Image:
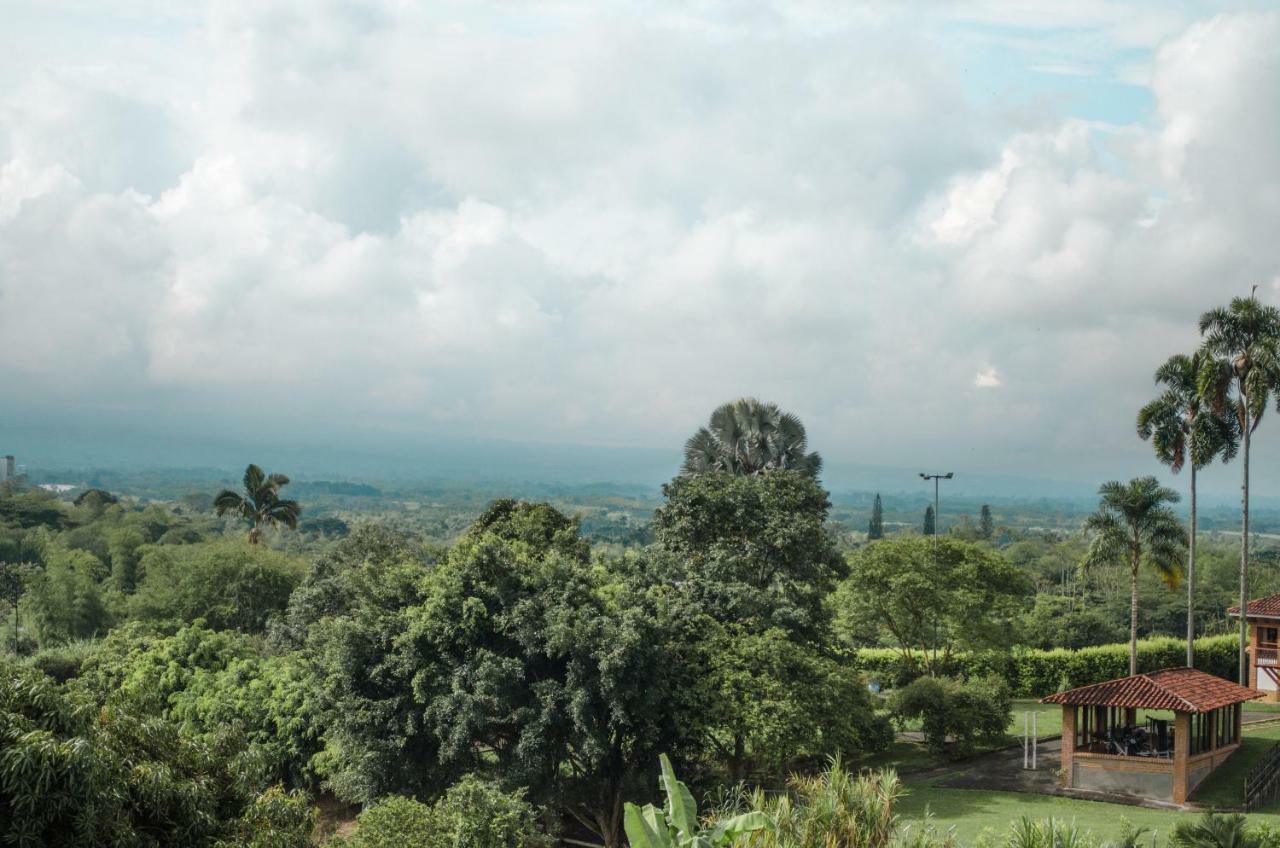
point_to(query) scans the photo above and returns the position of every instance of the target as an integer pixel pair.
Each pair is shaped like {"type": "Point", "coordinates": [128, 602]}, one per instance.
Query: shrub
{"type": "Point", "coordinates": [965, 713]}
{"type": "Point", "coordinates": [76, 775]}
{"type": "Point", "coordinates": [834, 808]}
{"type": "Point", "coordinates": [472, 814]}
{"type": "Point", "coordinates": [1035, 673]}
{"type": "Point", "coordinates": [230, 584]}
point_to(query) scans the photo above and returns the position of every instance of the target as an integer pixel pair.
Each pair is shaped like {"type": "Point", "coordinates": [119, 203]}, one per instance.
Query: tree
{"type": "Point", "coordinates": [986, 524]}
{"type": "Point", "coordinates": [1242, 369]}
{"type": "Point", "coordinates": [226, 582]}
{"type": "Point", "coordinates": [260, 504]}
{"type": "Point", "coordinates": [957, 713]}
{"type": "Point", "coordinates": [1179, 424]}
{"type": "Point", "coordinates": [1135, 526]}
{"type": "Point", "coordinates": [64, 597]}
{"type": "Point", "coordinates": [123, 544]}
{"type": "Point", "coordinates": [517, 657]}
{"type": "Point", "coordinates": [753, 550]}
{"type": "Point", "coordinates": [76, 775]}
{"type": "Point", "coordinates": [875, 529]}
{"type": "Point", "coordinates": [969, 598]}
{"type": "Point", "coordinates": [472, 814]}
{"type": "Point", "coordinates": [930, 525]}
{"type": "Point", "coordinates": [749, 437]}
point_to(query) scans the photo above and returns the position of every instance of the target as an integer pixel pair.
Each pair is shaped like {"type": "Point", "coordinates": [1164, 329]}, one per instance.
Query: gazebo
{"type": "Point", "coordinates": [1154, 735]}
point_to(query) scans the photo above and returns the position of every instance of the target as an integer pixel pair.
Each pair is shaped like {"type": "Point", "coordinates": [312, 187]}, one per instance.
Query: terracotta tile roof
{"type": "Point", "coordinates": [1268, 607]}
{"type": "Point", "coordinates": [1185, 690]}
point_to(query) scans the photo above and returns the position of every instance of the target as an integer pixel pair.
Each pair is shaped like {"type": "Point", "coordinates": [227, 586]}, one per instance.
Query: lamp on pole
{"type": "Point", "coordinates": [935, 478]}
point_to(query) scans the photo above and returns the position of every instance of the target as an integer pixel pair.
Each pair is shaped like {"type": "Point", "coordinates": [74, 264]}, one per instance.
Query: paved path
{"type": "Point", "coordinates": [1002, 771]}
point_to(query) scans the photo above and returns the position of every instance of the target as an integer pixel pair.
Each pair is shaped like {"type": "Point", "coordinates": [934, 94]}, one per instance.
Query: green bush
{"type": "Point", "coordinates": [229, 583]}
{"type": "Point", "coordinates": [472, 814]}
{"type": "Point", "coordinates": [74, 774]}
{"type": "Point", "coordinates": [966, 713]}
{"type": "Point", "coordinates": [1035, 673]}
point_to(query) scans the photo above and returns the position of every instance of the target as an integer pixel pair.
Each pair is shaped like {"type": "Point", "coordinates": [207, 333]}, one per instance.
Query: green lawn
{"type": "Point", "coordinates": [907, 757]}
{"type": "Point", "coordinates": [1048, 718]}
{"type": "Point", "coordinates": [1225, 787]}
{"type": "Point", "coordinates": [970, 812]}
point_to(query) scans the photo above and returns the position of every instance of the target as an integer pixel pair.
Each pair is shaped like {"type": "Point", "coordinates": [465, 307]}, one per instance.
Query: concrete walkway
{"type": "Point", "coordinates": [1002, 771]}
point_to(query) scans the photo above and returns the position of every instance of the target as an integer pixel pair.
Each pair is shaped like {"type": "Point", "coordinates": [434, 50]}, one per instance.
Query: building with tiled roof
{"type": "Point", "coordinates": [1153, 735]}
{"type": "Point", "coordinates": [1186, 690]}
{"type": "Point", "coordinates": [1263, 649]}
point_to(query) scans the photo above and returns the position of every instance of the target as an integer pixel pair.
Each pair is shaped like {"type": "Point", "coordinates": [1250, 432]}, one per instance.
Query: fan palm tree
{"type": "Point", "coordinates": [1241, 371]}
{"type": "Point", "coordinates": [260, 504]}
{"type": "Point", "coordinates": [1180, 425]}
{"type": "Point", "coordinates": [1134, 525]}
{"type": "Point", "coordinates": [748, 437]}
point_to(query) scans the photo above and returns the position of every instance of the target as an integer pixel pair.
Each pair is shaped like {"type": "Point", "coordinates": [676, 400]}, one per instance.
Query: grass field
{"type": "Point", "coordinates": [970, 812]}
{"type": "Point", "coordinates": [1225, 787]}
{"type": "Point", "coordinates": [907, 757]}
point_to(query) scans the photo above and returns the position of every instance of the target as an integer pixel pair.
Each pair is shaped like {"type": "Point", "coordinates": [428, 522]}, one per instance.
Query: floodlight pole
{"type": "Point", "coordinates": [935, 478]}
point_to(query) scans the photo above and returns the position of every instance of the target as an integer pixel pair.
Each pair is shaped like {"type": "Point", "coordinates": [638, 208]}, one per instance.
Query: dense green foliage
{"type": "Point", "coordinates": [961, 597]}
{"type": "Point", "coordinates": [472, 814]}
{"type": "Point", "coordinates": [955, 715]}
{"type": "Point", "coordinates": [1034, 673]}
{"type": "Point", "coordinates": [74, 773]}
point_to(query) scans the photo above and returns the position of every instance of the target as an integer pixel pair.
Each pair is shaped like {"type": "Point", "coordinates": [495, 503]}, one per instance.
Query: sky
{"type": "Point", "coordinates": [959, 235]}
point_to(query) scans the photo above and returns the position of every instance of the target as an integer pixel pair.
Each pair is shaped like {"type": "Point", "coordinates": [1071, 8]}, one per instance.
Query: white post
{"type": "Point", "coordinates": [1025, 727]}
{"type": "Point", "coordinates": [1035, 741]}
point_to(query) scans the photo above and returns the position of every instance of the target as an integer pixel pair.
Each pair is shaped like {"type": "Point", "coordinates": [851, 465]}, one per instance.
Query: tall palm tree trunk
{"type": "Point", "coordinates": [1191, 576]}
{"type": "Point", "coordinates": [1244, 554]}
{"type": "Point", "coordinates": [1133, 616]}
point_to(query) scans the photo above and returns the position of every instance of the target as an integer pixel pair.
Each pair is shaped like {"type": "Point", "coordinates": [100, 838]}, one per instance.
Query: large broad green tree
{"type": "Point", "coordinates": [260, 503]}
{"type": "Point", "coordinates": [968, 597]}
{"type": "Point", "coordinates": [1135, 526]}
{"type": "Point", "coordinates": [1180, 425]}
{"type": "Point", "coordinates": [748, 436]}
{"type": "Point", "coordinates": [1242, 370]}
{"type": "Point", "coordinates": [515, 656]}
{"type": "Point", "coordinates": [753, 550]}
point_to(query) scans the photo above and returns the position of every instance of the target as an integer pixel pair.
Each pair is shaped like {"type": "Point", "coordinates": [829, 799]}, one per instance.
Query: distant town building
{"type": "Point", "coordinates": [8, 468]}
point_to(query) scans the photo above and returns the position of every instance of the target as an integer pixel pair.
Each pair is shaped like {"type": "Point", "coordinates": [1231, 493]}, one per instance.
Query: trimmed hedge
{"type": "Point", "coordinates": [1036, 673]}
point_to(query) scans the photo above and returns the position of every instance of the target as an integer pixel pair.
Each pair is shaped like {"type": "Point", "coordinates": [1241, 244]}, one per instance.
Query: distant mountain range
{"type": "Point", "coordinates": [52, 451]}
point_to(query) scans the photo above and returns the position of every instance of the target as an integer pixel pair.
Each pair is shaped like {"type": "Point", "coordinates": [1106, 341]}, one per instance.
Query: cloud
{"type": "Point", "coordinates": [594, 224]}
{"type": "Point", "coordinates": [987, 378]}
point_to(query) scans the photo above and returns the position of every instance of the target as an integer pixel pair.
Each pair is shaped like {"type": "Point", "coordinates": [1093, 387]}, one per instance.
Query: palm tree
{"type": "Point", "coordinates": [1134, 524]}
{"type": "Point", "coordinates": [260, 504]}
{"type": "Point", "coordinates": [1179, 424]}
{"type": "Point", "coordinates": [748, 437]}
{"type": "Point", "coordinates": [1241, 370]}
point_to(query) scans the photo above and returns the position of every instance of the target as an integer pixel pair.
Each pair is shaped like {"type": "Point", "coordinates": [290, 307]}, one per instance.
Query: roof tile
{"type": "Point", "coordinates": [1268, 607]}
{"type": "Point", "coordinates": [1186, 690]}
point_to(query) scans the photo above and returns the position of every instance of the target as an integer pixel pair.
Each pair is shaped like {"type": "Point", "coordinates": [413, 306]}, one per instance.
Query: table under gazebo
{"type": "Point", "coordinates": [1154, 735]}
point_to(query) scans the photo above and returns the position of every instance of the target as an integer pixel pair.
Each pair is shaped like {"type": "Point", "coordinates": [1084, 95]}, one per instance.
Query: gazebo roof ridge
{"type": "Point", "coordinates": [1187, 690]}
